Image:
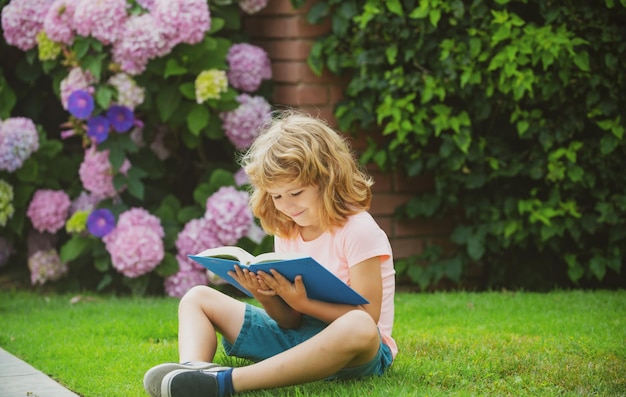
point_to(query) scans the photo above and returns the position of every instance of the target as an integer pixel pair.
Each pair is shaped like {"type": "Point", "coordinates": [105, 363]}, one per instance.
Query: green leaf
{"type": "Point", "coordinates": [102, 263]}
{"type": "Point", "coordinates": [103, 96]}
{"type": "Point", "coordinates": [29, 171]}
{"type": "Point", "coordinates": [395, 7]}
{"type": "Point", "coordinates": [582, 61]}
{"type": "Point", "coordinates": [434, 16]}
{"type": "Point", "coordinates": [190, 212]}
{"type": "Point", "coordinates": [188, 90]}
{"type": "Point", "coordinates": [74, 247]}
{"type": "Point", "coordinates": [136, 188]}
{"type": "Point", "coordinates": [475, 246]}
{"type": "Point", "coordinates": [168, 101]}
{"type": "Point", "coordinates": [197, 119]}
{"type": "Point", "coordinates": [597, 267]}
{"type": "Point", "coordinates": [216, 25]}
{"type": "Point", "coordinates": [173, 68]}
{"type": "Point", "coordinates": [168, 266]}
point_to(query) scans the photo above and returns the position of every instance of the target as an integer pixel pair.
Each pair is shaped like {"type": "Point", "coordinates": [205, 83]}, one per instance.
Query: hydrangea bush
{"type": "Point", "coordinates": [119, 138]}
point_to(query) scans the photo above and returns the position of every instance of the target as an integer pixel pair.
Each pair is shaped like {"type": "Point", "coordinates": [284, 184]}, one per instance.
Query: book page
{"type": "Point", "coordinates": [277, 256]}
{"type": "Point", "coordinates": [229, 252]}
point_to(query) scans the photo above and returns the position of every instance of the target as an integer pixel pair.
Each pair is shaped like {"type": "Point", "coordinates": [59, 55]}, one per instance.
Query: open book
{"type": "Point", "coordinates": [319, 282]}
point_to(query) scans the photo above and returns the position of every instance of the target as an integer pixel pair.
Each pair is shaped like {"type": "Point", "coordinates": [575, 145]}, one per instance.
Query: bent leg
{"type": "Point", "coordinates": [202, 312]}
{"type": "Point", "coordinates": [351, 340]}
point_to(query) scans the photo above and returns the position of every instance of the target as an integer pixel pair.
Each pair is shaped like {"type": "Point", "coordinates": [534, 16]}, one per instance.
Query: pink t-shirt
{"type": "Point", "coordinates": [359, 239]}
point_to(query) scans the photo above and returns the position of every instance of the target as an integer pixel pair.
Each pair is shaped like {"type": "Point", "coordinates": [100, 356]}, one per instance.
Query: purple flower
{"type": "Point", "coordinates": [248, 65]}
{"type": "Point", "coordinates": [22, 20]}
{"type": "Point", "coordinates": [242, 125]}
{"type": "Point", "coordinates": [80, 104]}
{"type": "Point", "coordinates": [136, 243]}
{"type": "Point", "coordinates": [101, 222]}
{"type": "Point", "coordinates": [120, 117]}
{"type": "Point", "coordinates": [48, 210]}
{"type": "Point", "coordinates": [46, 266]}
{"type": "Point", "coordinates": [228, 214]}
{"type": "Point", "coordinates": [98, 128]}
{"type": "Point", "coordinates": [178, 284]}
{"type": "Point", "coordinates": [18, 140]}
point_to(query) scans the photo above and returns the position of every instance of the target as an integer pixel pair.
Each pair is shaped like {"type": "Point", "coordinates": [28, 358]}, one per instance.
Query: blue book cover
{"type": "Point", "coordinates": [319, 282]}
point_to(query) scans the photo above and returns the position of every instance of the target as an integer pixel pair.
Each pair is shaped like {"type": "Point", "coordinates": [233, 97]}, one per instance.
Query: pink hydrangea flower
{"type": "Point", "coordinates": [178, 284]}
{"type": "Point", "coordinates": [96, 173]}
{"type": "Point", "coordinates": [103, 20]}
{"type": "Point", "coordinates": [195, 237]}
{"type": "Point", "coordinates": [59, 21]}
{"type": "Point", "coordinates": [182, 21]}
{"type": "Point", "coordinates": [46, 266]}
{"type": "Point", "coordinates": [249, 65]}
{"type": "Point", "coordinates": [229, 214]}
{"type": "Point", "coordinates": [140, 41]}
{"type": "Point", "coordinates": [136, 244]}
{"type": "Point", "coordinates": [74, 81]}
{"type": "Point", "coordinates": [129, 94]}
{"type": "Point", "coordinates": [48, 210]}
{"type": "Point", "coordinates": [18, 140]}
{"type": "Point", "coordinates": [252, 6]}
{"type": "Point", "coordinates": [242, 125]}
{"type": "Point", "coordinates": [134, 251]}
{"type": "Point", "coordinates": [22, 20]}
{"type": "Point", "coordinates": [241, 178]}
{"type": "Point", "coordinates": [140, 217]}
{"type": "Point", "coordinates": [146, 4]}
{"type": "Point", "coordinates": [84, 202]}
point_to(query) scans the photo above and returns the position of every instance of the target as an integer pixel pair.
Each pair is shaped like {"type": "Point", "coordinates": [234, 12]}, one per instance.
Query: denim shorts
{"type": "Point", "coordinates": [261, 337]}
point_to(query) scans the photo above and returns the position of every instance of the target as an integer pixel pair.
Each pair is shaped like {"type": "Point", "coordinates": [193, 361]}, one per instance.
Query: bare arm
{"type": "Point", "coordinates": [365, 278]}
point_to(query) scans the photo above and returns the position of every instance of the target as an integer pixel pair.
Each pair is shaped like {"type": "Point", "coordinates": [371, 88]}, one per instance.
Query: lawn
{"type": "Point", "coordinates": [453, 344]}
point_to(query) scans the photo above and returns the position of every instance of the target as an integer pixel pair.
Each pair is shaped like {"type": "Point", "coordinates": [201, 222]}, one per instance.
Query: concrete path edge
{"type": "Point", "coordinates": [19, 379]}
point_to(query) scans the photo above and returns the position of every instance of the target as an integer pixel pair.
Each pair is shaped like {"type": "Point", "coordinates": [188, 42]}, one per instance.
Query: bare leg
{"type": "Point", "coordinates": [351, 340]}
{"type": "Point", "coordinates": [202, 312]}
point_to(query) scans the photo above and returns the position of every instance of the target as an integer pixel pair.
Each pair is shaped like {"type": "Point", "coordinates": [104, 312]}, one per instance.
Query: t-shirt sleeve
{"type": "Point", "coordinates": [364, 239]}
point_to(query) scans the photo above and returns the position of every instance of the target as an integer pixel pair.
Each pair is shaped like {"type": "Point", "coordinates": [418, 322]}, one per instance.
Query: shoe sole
{"type": "Point", "coordinates": [153, 378]}
{"type": "Point", "coordinates": [167, 379]}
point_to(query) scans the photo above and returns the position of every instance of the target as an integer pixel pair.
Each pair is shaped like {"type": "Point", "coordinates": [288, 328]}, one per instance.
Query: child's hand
{"type": "Point", "coordinates": [294, 294]}
{"type": "Point", "coordinates": [251, 282]}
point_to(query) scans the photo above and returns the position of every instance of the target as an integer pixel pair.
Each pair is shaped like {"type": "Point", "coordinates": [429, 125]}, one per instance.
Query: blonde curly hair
{"type": "Point", "coordinates": [299, 148]}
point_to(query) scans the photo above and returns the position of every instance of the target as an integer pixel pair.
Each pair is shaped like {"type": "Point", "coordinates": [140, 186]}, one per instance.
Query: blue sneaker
{"type": "Point", "coordinates": [153, 378]}
{"type": "Point", "coordinates": [190, 383]}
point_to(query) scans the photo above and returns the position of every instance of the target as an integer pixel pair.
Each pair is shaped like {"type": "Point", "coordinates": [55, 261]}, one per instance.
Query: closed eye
{"type": "Point", "coordinates": [296, 194]}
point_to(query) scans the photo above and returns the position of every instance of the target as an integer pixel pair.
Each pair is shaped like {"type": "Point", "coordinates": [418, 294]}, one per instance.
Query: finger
{"type": "Point", "coordinates": [299, 283]}
{"type": "Point", "coordinates": [279, 277]}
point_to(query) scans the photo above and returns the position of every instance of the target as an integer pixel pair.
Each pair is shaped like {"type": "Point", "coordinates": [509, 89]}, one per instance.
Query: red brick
{"type": "Point", "coordinates": [278, 7]}
{"type": "Point", "coordinates": [382, 182]}
{"type": "Point", "coordinates": [301, 94]}
{"type": "Point", "coordinates": [416, 184]}
{"type": "Point", "coordinates": [299, 72]}
{"type": "Point", "coordinates": [423, 227]}
{"type": "Point", "coordinates": [385, 223]}
{"type": "Point", "coordinates": [386, 204]}
{"type": "Point", "coordinates": [405, 247]}
{"type": "Point", "coordinates": [289, 50]}
{"type": "Point", "coordinates": [337, 92]}
{"type": "Point", "coordinates": [284, 27]}
{"type": "Point", "coordinates": [325, 113]}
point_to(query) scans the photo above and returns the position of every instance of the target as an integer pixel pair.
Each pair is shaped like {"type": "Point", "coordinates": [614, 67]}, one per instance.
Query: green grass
{"type": "Point", "coordinates": [459, 344]}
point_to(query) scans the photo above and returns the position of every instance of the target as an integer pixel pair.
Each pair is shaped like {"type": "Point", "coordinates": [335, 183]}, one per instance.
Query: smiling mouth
{"type": "Point", "coordinates": [297, 214]}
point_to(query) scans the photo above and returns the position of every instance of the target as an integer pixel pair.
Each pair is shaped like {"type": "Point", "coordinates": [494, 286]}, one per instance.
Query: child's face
{"type": "Point", "coordinates": [300, 203]}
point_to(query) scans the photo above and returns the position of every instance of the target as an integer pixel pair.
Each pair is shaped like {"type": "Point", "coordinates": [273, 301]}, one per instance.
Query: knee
{"type": "Point", "coordinates": [360, 327]}
{"type": "Point", "coordinates": [198, 295]}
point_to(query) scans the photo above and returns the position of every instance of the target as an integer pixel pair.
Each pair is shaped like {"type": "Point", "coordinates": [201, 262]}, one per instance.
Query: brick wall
{"type": "Point", "coordinates": [287, 37]}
